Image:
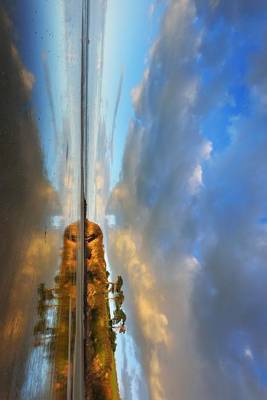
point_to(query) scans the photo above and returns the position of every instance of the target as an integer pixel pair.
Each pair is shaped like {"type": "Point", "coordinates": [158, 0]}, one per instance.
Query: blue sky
{"type": "Point", "coordinates": [186, 190]}
{"type": "Point", "coordinates": [122, 61]}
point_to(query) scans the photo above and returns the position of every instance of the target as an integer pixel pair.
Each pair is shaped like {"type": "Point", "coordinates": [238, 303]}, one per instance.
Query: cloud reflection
{"type": "Point", "coordinates": [27, 203]}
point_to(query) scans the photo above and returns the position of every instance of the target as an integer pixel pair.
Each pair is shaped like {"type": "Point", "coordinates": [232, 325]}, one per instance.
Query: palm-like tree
{"type": "Point", "coordinates": [118, 316]}
{"type": "Point", "coordinates": [117, 285]}
{"type": "Point", "coordinates": [45, 294]}
{"type": "Point", "coordinates": [119, 299]}
{"type": "Point", "coordinates": [120, 328]}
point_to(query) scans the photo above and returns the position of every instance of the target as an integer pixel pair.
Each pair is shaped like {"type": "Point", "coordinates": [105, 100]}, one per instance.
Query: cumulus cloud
{"type": "Point", "coordinates": [149, 245]}
{"type": "Point", "coordinates": [189, 237]}
{"type": "Point", "coordinates": [229, 295]}
{"type": "Point", "coordinates": [228, 300]}
{"type": "Point", "coordinates": [101, 171]}
{"type": "Point", "coordinates": [130, 373]}
{"type": "Point", "coordinates": [126, 251]}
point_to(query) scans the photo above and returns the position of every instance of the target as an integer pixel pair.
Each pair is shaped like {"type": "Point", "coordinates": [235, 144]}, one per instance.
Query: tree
{"type": "Point", "coordinates": [119, 283]}
{"type": "Point", "coordinates": [112, 288]}
{"type": "Point", "coordinates": [116, 286]}
{"type": "Point", "coordinates": [43, 333]}
{"type": "Point", "coordinates": [45, 294]}
{"type": "Point", "coordinates": [49, 294]}
{"type": "Point", "coordinates": [118, 316]}
{"type": "Point", "coordinates": [119, 299]}
{"type": "Point", "coordinates": [120, 328]}
{"type": "Point", "coordinates": [40, 290]}
{"type": "Point", "coordinates": [41, 309]}
{"type": "Point", "coordinates": [39, 327]}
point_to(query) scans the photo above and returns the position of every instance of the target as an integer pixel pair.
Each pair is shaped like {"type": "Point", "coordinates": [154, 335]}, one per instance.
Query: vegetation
{"type": "Point", "coordinates": [56, 312]}
{"type": "Point", "coordinates": [101, 329]}
{"type": "Point", "coordinates": [116, 286]}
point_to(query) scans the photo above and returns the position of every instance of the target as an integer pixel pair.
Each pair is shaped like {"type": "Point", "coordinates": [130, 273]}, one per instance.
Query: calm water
{"type": "Point", "coordinates": [40, 158]}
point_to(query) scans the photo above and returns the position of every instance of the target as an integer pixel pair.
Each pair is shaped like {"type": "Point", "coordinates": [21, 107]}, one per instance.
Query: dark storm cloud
{"type": "Point", "coordinates": [27, 202]}
{"type": "Point", "coordinates": [200, 325]}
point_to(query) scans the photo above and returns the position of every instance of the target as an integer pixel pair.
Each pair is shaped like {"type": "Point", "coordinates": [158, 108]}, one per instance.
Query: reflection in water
{"type": "Point", "coordinates": [34, 209]}
{"type": "Point", "coordinates": [27, 201]}
{"type": "Point", "coordinates": [55, 327]}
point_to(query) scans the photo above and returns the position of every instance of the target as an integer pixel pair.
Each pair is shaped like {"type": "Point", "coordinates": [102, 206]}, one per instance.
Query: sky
{"type": "Point", "coordinates": [180, 167]}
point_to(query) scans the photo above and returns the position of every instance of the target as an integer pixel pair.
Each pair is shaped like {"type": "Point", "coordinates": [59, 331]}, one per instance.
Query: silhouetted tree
{"type": "Point", "coordinates": [119, 299]}
{"type": "Point", "coordinates": [117, 285]}
{"type": "Point", "coordinates": [118, 316]}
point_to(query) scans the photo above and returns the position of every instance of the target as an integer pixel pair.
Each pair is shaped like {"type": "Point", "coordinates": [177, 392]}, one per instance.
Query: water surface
{"type": "Point", "coordinates": [40, 158]}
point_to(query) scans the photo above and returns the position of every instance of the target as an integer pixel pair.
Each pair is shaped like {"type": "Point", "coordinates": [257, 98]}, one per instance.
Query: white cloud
{"type": "Point", "coordinates": [206, 150]}
{"type": "Point", "coordinates": [175, 199]}
{"type": "Point", "coordinates": [248, 353]}
{"type": "Point", "coordinates": [195, 180]}
{"type": "Point", "coordinates": [164, 147]}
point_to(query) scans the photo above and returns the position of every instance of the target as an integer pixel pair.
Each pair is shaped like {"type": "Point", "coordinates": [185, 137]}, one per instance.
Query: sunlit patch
{"type": "Point", "coordinates": [157, 390]}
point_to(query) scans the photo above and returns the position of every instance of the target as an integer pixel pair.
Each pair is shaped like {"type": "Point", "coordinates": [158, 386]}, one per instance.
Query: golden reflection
{"type": "Point", "coordinates": [56, 314]}
{"type": "Point", "coordinates": [37, 254]}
